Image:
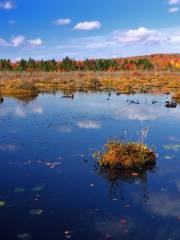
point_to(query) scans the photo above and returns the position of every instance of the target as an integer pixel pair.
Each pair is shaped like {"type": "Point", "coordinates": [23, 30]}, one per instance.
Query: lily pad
{"type": "Point", "coordinates": [19, 190]}
{"type": "Point", "coordinates": [174, 147]}
{"type": "Point", "coordinates": [167, 157]}
{"type": "Point", "coordinates": [2, 203]}
{"type": "Point", "coordinates": [36, 211]}
{"type": "Point", "coordinates": [24, 236]}
{"type": "Point", "coordinates": [38, 188]}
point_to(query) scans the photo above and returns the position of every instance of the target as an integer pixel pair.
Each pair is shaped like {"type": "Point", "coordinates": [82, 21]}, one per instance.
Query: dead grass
{"type": "Point", "coordinates": [176, 96]}
{"type": "Point", "coordinates": [125, 155]}
{"type": "Point", "coordinates": [123, 82]}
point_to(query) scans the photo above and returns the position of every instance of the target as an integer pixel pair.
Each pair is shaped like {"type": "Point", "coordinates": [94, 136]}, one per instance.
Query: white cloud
{"type": "Point", "coordinates": [174, 6]}
{"type": "Point", "coordinates": [122, 43]}
{"type": "Point", "coordinates": [64, 129]}
{"type": "Point", "coordinates": [144, 112]}
{"type": "Point", "coordinates": [175, 39]}
{"type": "Point", "coordinates": [164, 205]}
{"type": "Point", "coordinates": [87, 26]}
{"type": "Point", "coordinates": [18, 41]}
{"type": "Point", "coordinates": [173, 2]}
{"type": "Point", "coordinates": [35, 42]}
{"type": "Point", "coordinates": [11, 22]}
{"type": "Point", "coordinates": [89, 124]}
{"type": "Point", "coordinates": [174, 10]}
{"type": "Point", "coordinates": [61, 22]}
{"type": "Point", "coordinates": [140, 35]}
{"type": "Point", "coordinates": [8, 5]}
{"type": "Point", "coordinates": [139, 112]}
{"type": "Point", "coordinates": [38, 110]}
{"type": "Point", "coordinates": [3, 42]}
{"type": "Point", "coordinates": [8, 147]}
{"type": "Point", "coordinates": [20, 112]}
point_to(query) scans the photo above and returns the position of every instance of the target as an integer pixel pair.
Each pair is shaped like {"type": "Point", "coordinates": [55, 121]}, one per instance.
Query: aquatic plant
{"type": "Point", "coordinates": [130, 155]}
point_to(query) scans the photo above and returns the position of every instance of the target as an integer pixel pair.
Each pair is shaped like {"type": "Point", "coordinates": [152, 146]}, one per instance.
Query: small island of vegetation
{"type": "Point", "coordinates": [130, 155]}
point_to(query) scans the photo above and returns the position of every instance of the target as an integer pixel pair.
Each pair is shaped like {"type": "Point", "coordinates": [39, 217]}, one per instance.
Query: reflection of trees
{"type": "Point", "coordinates": [1, 99]}
{"type": "Point", "coordinates": [118, 177]}
{"type": "Point", "coordinates": [26, 98]}
{"type": "Point", "coordinates": [171, 104]}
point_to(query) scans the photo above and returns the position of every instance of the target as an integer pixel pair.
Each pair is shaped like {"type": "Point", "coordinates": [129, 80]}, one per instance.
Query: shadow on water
{"type": "Point", "coordinates": [1, 99]}
{"type": "Point", "coordinates": [117, 178]}
{"type": "Point", "coordinates": [171, 104]}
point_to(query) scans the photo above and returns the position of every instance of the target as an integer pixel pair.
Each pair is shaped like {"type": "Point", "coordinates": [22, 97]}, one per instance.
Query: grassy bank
{"type": "Point", "coordinates": [27, 83]}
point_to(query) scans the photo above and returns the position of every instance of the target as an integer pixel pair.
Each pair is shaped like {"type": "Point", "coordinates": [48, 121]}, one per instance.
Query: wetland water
{"type": "Point", "coordinates": [50, 187]}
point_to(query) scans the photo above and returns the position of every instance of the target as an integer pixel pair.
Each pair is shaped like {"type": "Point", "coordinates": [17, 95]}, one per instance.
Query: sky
{"type": "Point", "coordinates": [80, 29]}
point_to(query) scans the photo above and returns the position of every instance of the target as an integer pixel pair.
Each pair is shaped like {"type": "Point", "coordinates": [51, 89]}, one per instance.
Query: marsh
{"type": "Point", "coordinates": [50, 187]}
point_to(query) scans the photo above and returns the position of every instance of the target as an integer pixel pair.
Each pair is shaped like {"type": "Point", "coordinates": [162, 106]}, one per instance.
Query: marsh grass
{"type": "Point", "coordinates": [130, 155]}
{"type": "Point", "coordinates": [176, 96]}
{"type": "Point", "coordinates": [123, 82]}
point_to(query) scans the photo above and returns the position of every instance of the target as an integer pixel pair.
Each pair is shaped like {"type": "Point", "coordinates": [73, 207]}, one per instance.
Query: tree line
{"type": "Point", "coordinates": [68, 65]}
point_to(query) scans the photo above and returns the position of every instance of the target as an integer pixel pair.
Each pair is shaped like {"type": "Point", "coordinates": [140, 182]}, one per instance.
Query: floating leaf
{"type": "Point", "coordinates": [168, 157]}
{"type": "Point", "coordinates": [123, 221]}
{"type": "Point", "coordinates": [24, 236]}
{"type": "Point", "coordinates": [38, 188]}
{"type": "Point", "coordinates": [108, 236]}
{"type": "Point", "coordinates": [135, 174]}
{"type": "Point", "coordinates": [127, 206]}
{"type": "Point", "coordinates": [174, 147]}
{"type": "Point", "coordinates": [2, 203]}
{"type": "Point", "coordinates": [36, 211]}
{"type": "Point", "coordinates": [19, 190]}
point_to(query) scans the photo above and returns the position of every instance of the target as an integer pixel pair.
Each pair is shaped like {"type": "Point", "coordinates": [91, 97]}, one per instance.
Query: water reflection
{"type": "Point", "coordinates": [89, 124]}
{"type": "Point", "coordinates": [47, 144]}
{"type": "Point", "coordinates": [164, 204]}
{"type": "Point", "coordinates": [26, 98]}
{"type": "Point", "coordinates": [171, 104]}
{"type": "Point", "coordinates": [117, 178]}
{"type": "Point", "coordinates": [21, 110]}
{"type": "Point", "coordinates": [1, 99]}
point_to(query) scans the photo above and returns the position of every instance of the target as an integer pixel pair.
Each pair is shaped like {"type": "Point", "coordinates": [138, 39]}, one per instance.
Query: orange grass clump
{"type": "Point", "coordinates": [176, 96]}
{"type": "Point", "coordinates": [125, 155]}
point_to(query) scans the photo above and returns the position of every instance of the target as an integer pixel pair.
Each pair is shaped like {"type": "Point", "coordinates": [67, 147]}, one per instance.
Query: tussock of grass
{"type": "Point", "coordinates": [125, 155]}
{"type": "Point", "coordinates": [176, 96]}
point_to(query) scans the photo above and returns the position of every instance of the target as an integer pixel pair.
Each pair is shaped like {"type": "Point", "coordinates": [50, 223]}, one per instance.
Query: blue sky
{"type": "Point", "coordinates": [88, 28]}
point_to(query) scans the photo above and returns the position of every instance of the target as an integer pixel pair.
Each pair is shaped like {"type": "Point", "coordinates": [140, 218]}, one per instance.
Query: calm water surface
{"type": "Point", "coordinates": [50, 186]}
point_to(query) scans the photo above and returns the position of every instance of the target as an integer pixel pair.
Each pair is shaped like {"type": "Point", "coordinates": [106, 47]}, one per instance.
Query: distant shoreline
{"type": "Point", "coordinates": [156, 62]}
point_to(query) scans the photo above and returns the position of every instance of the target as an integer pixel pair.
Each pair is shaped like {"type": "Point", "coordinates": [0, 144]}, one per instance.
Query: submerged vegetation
{"type": "Point", "coordinates": [125, 155]}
